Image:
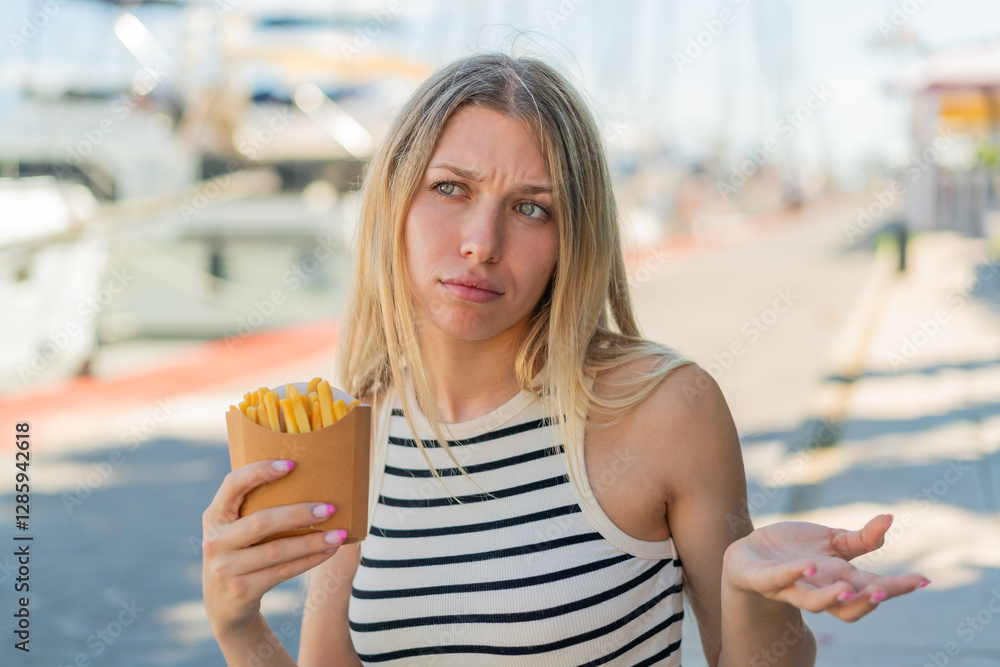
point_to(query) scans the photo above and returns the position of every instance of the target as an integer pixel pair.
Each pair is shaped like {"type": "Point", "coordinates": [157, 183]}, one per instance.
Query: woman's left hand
{"type": "Point", "coordinates": [806, 565]}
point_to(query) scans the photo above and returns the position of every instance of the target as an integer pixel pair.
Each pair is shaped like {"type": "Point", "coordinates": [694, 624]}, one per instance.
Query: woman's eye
{"type": "Point", "coordinates": [446, 188]}
{"type": "Point", "coordinates": [531, 210]}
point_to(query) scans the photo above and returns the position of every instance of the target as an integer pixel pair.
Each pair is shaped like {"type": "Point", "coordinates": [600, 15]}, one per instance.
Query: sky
{"type": "Point", "coordinates": [701, 77]}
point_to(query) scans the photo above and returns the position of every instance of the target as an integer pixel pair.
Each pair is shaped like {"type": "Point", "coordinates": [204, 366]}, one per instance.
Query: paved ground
{"type": "Point", "coordinates": [921, 439]}
{"type": "Point", "coordinates": [919, 436]}
{"type": "Point", "coordinates": [115, 560]}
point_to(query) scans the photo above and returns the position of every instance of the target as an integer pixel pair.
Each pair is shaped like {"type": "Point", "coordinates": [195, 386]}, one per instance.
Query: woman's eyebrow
{"type": "Point", "coordinates": [476, 177]}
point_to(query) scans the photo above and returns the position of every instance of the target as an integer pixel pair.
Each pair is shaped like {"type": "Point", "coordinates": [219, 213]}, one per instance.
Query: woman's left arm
{"type": "Point", "coordinates": [745, 586]}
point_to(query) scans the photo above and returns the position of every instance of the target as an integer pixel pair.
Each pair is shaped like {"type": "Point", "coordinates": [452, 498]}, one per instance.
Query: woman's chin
{"type": "Point", "coordinates": [467, 331]}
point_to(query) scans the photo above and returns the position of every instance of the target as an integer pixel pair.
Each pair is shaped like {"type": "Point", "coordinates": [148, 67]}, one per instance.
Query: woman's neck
{"type": "Point", "coordinates": [470, 378]}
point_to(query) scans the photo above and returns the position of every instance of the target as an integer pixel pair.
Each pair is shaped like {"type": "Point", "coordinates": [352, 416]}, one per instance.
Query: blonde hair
{"type": "Point", "coordinates": [582, 325]}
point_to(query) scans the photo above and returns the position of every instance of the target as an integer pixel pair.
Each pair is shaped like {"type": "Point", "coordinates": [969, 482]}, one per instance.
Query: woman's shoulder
{"type": "Point", "coordinates": [686, 404]}
{"type": "Point", "coordinates": [686, 428]}
{"type": "Point", "coordinates": [680, 379]}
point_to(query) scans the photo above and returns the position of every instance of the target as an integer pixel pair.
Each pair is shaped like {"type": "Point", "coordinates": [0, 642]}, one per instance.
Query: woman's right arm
{"type": "Point", "coordinates": [326, 637]}
{"type": "Point", "coordinates": [250, 646]}
{"type": "Point", "coordinates": [237, 571]}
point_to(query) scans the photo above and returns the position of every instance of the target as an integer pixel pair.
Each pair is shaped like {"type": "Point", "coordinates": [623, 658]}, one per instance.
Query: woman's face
{"type": "Point", "coordinates": [480, 236]}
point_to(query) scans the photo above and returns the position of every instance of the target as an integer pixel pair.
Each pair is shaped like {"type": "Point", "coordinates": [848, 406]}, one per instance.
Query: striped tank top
{"type": "Point", "coordinates": [533, 574]}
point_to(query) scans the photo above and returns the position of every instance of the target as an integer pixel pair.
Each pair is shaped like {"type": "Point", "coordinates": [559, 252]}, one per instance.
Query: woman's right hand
{"type": "Point", "coordinates": [236, 574]}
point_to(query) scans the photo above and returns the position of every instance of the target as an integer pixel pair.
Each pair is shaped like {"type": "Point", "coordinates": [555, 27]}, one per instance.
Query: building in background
{"type": "Point", "coordinates": [954, 172]}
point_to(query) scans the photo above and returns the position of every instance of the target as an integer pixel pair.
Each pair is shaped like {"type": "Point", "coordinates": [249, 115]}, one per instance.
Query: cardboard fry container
{"type": "Point", "coordinates": [331, 465]}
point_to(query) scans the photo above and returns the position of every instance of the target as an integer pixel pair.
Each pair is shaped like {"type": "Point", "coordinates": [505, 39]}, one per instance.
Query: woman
{"type": "Point", "coordinates": [489, 297]}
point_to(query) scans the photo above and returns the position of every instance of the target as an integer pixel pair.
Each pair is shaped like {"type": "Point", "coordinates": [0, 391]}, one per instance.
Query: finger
{"type": "Point", "coordinates": [253, 528]}
{"type": "Point", "coordinates": [817, 599]}
{"type": "Point", "coordinates": [225, 506]}
{"type": "Point", "coordinates": [285, 549]}
{"type": "Point", "coordinates": [891, 586]}
{"type": "Point", "coordinates": [776, 577]}
{"type": "Point", "coordinates": [268, 578]}
{"type": "Point", "coordinates": [856, 607]}
{"type": "Point", "coordinates": [875, 592]}
{"type": "Point", "coordinates": [850, 544]}
{"type": "Point", "coordinates": [863, 603]}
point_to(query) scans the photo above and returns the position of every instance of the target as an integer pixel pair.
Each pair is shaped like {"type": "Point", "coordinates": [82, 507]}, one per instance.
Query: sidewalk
{"type": "Point", "coordinates": [919, 437]}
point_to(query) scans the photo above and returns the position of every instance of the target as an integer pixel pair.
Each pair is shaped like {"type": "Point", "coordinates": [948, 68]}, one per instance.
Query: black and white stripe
{"type": "Point", "coordinates": [515, 574]}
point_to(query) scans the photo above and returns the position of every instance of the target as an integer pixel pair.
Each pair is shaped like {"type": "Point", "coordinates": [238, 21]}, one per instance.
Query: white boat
{"type": "Point", "coordinates": [50, 290]}
{"type": "Point", "coordinates": [212, 201]}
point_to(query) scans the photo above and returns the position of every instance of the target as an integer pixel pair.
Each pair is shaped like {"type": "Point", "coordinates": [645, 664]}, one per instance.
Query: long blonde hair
{"type": "Point", "coordinates": [583, 323]}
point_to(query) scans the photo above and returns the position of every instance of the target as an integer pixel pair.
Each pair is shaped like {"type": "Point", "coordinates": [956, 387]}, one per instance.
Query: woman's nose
{"type": "Point", "coordinates": [482, 235]}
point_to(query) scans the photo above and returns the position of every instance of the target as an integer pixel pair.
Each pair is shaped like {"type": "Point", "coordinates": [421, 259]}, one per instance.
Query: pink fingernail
{"type": "Point", "coordinates": [335, 536]}
{"type": "Point", "coordinates": [845, 595]}
{"type": "Point", "coordinates": [810, 572]}
{"type": "Point", "coordinates": [323, 511]}
{"type": "Point", "coordinates": [923, 583]}
{"type": "Point", "coordinates": [878, 596]}
{"type": "Point", "coordinates": [283, 466]}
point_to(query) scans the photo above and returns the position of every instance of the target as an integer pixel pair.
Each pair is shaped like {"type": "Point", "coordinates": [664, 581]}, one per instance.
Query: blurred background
{"type": "Point", "coordinates": [810, 212]}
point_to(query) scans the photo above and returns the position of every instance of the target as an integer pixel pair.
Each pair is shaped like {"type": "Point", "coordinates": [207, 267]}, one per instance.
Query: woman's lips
{"type": "Point", "coordinates": [473, 294]}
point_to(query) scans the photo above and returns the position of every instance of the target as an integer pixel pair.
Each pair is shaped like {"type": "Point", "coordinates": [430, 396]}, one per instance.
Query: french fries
{"type": "Point", "coordinates": [273, 411]}
{"type": "Point", "coordinates": [296, 412]}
